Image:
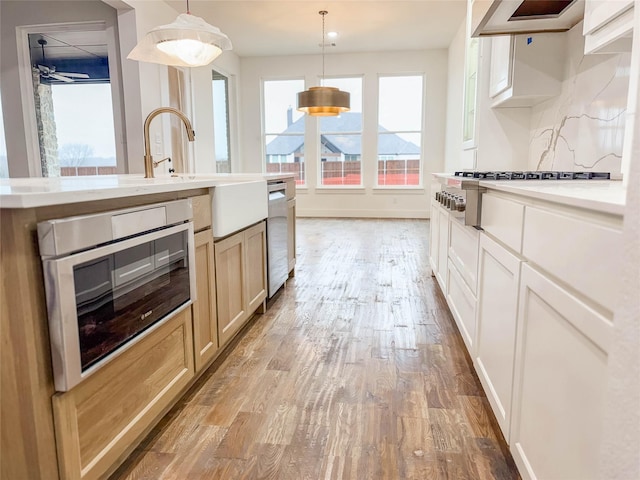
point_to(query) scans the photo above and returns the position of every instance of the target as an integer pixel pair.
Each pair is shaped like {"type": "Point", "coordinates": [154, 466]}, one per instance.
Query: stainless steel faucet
{"type": "Point", "coordinates": [148, 159]}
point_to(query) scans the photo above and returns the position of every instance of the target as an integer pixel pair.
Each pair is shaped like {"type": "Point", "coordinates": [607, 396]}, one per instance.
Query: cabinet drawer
{"type": "Point", "coordinates": [463, 307]}
{"type": "Point", "coordinates": [463, 252]}
{"type": "Point", "coordinates": [99, 421]}
{"type": "Point", "coordinates": [503, 220]}
{"type": "Point", "coordinates": [577, 251]}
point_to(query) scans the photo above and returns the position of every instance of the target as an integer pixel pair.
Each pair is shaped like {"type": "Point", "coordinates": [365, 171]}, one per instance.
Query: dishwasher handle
{"type": "Point", "coordinates": [277, 187]}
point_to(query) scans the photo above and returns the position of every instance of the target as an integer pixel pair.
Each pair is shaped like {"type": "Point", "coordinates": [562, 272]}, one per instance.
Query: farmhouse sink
{"type": "Point", "coordinates": [238, 204]}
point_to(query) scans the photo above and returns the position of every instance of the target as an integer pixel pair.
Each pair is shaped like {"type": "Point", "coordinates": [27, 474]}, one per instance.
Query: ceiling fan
{"type": "Point", "coordinates": [50, 72]}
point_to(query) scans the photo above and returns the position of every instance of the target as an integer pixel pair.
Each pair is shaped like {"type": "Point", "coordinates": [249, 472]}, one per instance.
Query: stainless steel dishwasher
{"type": "Point", "coordinates": [277, 262]}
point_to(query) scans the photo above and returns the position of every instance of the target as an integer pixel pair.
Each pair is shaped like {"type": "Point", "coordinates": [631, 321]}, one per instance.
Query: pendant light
{"type": "Point", "coordinates": [323, 101]}
{"type": "Point", "coordinates": [187, 42]}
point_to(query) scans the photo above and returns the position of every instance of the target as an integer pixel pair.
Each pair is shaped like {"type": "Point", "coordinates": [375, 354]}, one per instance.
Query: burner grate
{"type": "Point", "coordinates": [534, 175]}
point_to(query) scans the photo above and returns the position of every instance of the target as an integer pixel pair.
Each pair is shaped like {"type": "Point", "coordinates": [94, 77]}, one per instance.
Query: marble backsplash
{"type": "Point", "coordinates": [583, 128]}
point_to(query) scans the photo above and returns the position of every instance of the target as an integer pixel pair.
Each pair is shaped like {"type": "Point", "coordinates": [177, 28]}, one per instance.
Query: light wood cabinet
{"type": "Point", "coordinates": [255, 251]}
{"type": "Point", "coordinates": [205, 325]}
{"type": "Point", "coordinates": [559, 382]}
{"type": "Point", "coordinates": [496, 328]}
{"type": "Point", "coordinates": [525, 69]}
{"type": "Point", "coordinates": [100, 421]}
{"type": "Point", "coordinates": [608, 26]}
{"type": "Point", "coordinates": [241, 278]}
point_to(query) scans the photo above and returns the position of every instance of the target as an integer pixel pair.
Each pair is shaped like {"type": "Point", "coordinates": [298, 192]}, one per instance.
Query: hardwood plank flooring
{"type": "Point", "coordinates": [356, 371]}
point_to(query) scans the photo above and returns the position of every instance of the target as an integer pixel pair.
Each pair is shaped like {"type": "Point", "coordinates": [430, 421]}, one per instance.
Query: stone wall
{"type": "Point", "coordinates": [46, 123]}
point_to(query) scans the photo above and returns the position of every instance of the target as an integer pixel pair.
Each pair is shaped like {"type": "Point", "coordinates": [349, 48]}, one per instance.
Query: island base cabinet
{"type": "Point", "coordinates": [241, 278]}
{"type": "Point", "coordinates": [496, 337]}
{"type": "Point", "coordinates": [560, 380]}
{"type": "Point", "coordinates": [101, 420]}
{"type": "Point", "coordinates": [205, 325]}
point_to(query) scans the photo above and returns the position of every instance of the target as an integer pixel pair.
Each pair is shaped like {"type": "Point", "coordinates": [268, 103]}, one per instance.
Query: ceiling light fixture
{"type": "Point", "coordinates": [187, 42]}
{"type": "Point", "coordinates": [323, 101]}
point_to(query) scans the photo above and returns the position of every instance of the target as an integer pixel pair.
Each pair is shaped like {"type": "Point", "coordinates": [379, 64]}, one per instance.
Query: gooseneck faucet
{"type": "Point", "coordinates": [148, 159]}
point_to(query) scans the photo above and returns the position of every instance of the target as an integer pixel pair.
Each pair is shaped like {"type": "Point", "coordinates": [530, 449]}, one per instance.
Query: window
{"type": "Point", "coordinates": [86, 137]}
{"type": "Point", "coordinates": [74, 119]}
{"type": "Point", "coordinates": [283, 128]}
{"type": "Point", "coordinates": [399, 130]}
{"type": "Point", "coordinates": [341, 138]}
{"type": "Point", "coordinates": [221, 122]}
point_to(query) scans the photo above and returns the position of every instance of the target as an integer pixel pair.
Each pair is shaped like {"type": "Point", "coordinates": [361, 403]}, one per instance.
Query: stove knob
{"type": "Point", "coordinates": [461, 204]}
{"type": "Point", "coordinates": [438, 194]}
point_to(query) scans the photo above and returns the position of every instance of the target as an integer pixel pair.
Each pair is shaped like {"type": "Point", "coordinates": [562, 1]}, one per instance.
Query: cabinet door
{"type": "Point", "coordinates": [291, 235]}
{"type": "Point", "coordinates": [496, 337]}
{"type": "Point", "coordinates": [434, 238]}
{"type": "Point", "coordinates": [230, 281]}
{"type": "Point", "coordinates": [256, 265]}
{"type": "Point", "coordinates": [443, 248]}
{"type": "Point", "coordinates": [560, 379]}
{"type": "Point", "coordinates": [205, 329]}
{"type": "Point", "coordinates": [501, 66]}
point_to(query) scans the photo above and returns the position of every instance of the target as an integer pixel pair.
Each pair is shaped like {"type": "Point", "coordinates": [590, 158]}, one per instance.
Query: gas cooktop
{"type": "Point", "coordinates": [534, 175]}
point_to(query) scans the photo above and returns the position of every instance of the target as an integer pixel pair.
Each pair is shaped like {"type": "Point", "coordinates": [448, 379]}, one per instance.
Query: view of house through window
{"type": "Point", "coordinates": [399, 130]}
{"type": "Point", "coordinates": [221, 122]}
{"type": "Point", "coordinates": [341, 138]}
{"type": "Point", "coordinates": [283, 128]}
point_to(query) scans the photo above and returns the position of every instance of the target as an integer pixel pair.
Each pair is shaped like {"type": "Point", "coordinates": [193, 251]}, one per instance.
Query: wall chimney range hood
{"type": "Point", "coordinates": [504, 17]}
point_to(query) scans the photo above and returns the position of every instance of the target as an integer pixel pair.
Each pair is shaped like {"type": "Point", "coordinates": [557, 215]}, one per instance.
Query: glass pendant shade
{"type": "Point", "coordinates": [187, 42]}
{"type": "Point", "coordinates": [324, 101]}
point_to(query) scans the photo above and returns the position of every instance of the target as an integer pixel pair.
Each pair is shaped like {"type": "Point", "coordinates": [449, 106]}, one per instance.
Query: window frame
{"type": "Point", "coordinates": [302, 182]}
{"type": "Point", "coordinates": [421, 132]}
{"type": "Point", "coordinates": [361, 132]}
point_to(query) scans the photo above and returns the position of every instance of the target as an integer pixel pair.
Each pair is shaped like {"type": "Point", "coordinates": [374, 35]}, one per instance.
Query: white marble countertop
{"type": "Point", "coordinates": [39, 192]}
{"type": "Point", "coordinates": [607, 196]}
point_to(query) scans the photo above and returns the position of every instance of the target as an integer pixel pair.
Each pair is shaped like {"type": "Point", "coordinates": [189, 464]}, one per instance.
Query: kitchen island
{"type": "Point", "coordinates": [533, 291]}
{"type": "Point", "coordinates": [87, 431]}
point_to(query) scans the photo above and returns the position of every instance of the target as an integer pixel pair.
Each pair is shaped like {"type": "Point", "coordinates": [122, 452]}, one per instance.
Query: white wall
{"type": "Point", "coordinates": [367, 201]}
{"type": "Point", "coordinates": [502, 134]}
{"type": "Point", "coordinates": [455, 101]}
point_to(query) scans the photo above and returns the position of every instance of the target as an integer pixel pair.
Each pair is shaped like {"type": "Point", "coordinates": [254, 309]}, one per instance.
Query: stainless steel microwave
{"type": "Point", "coordinates": [111, 279]}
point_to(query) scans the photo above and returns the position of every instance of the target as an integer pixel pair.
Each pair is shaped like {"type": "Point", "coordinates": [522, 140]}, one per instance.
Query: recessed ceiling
{"type": "Point", "coordinates": [69, 45]}
{"type": "Point", "coordinates": [265, 28]}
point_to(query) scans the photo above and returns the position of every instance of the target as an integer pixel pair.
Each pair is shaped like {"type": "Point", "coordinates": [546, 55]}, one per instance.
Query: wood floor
{"type": "Point", "coordinates": [356, 371]}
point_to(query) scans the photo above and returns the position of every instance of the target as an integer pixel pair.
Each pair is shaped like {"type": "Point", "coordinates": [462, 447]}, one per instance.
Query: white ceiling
{"type": "Point", "coordinates": [294, 27]}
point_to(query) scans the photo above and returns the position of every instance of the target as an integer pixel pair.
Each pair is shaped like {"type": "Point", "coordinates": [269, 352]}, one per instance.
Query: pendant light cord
{"type": "Point", "coordinates": [188, 10]}
{"type": "Point", "coordinates": [323, 13]}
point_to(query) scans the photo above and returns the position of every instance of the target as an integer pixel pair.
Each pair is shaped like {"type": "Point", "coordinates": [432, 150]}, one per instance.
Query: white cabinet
{"type": "Point", "coordinates": [434, 236]}
{"type": "Point", "coordinates": [439, 243]}
{"type": "Point", "coordinates": [496, 333]}
{"type": "Point", "coordinates": [559, 382]}
{"type": "Point", "coordinates": [525, 69]}
{"type": "Point", "coordinates": [443, 248]}
{"type": "Point", "coordinates": [608, 26]}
